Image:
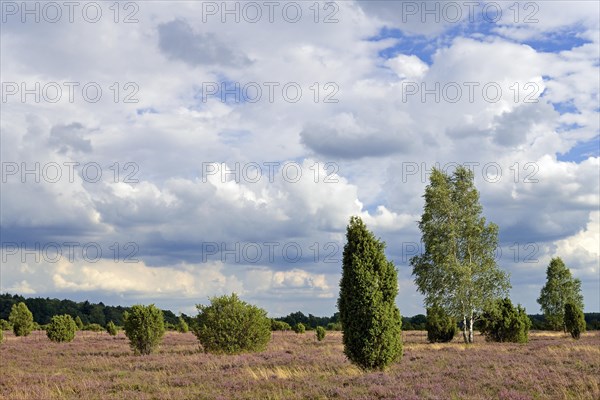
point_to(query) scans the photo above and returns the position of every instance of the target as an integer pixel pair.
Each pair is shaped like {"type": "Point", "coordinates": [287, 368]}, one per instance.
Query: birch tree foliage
{"type": "Point", "coordinates": [457, 270]}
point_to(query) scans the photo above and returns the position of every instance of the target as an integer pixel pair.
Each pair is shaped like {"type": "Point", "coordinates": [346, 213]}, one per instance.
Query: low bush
{"type": "Point", "coordinates": [21, 319]}
{"type": "Point", "coordinates": [231, 326]}
{"type": "Point", "coordinates": [441, 327]}
{"type": "Point", "coordinates": [334, 326]}
{"type": "Point", "coordinates": [182, 326]}
{"type": "Point", "coordinates": [111, 328]}
{"type": "Point", "coordinates": [61, 328]}
{"type": "Point", "coordinates": [144, 327]}
{"type": "Point", "coordinates": [280, 326]}
{"type": "Point", "coordinates": [320, 333]}
{"type": "Point", "coordinates": [79, 323]}
{"type": "Point", "coordinates": [502, 322]}
{"type": "Point", "coordinates": [299, 328]}
{"type": "Point", "coordinates": [5, 325]}
{"type": "Point", "coordinates": [93, 328]}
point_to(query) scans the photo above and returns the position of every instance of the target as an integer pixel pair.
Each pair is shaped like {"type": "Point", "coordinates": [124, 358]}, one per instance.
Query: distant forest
{"type": "Point", "coordinates": [43, 309]}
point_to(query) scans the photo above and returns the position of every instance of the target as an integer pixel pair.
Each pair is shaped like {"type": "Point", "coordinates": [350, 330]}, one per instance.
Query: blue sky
{"type": "Point", "coordinates": [166, 191]}
{"type": "Point", "coordinates": [582, 151]}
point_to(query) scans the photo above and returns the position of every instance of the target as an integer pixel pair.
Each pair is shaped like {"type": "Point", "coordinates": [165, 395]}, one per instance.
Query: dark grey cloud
{"type": "Point", "coordinates": [40, 235]}
{"type": "Point", "coordinates": [512, 128]}
{"type": "Point", "coordinates": [178, 41]}
{"type": "Point", "coordinates": [466, 131]}
{"type": "Point", "coordinates": [35, 129]}
{"type": "Point", "coordinates": [535, 227]}
{"type": "Point", "coordinates": [70, 137]}
{"type": "Point", "coordinates": [337, 144]}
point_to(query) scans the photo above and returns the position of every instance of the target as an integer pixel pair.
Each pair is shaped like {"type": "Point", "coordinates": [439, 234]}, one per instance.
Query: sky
{"type": "Point", "coordinates": [167, 152]}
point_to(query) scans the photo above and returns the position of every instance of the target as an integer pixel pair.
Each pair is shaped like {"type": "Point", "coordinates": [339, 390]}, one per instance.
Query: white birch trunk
{"type": "Point", "coordinates": [471, 329]}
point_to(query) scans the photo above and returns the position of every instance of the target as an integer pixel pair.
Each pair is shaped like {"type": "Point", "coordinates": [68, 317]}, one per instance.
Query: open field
{"type": "Point", "coordinates": [98, 366]}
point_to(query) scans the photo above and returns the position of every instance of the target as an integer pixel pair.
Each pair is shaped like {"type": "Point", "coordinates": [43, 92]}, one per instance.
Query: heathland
{"type": "Point", "coordinates": [296, 366]}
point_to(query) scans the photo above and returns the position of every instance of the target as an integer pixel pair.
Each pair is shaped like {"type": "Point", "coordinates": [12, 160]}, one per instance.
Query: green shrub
{"type": "Point", "coordinates": [574, 320]}
{"type": "Point", "coordinates": [502, 322]}
{"type": "Point", "coordinates": [145, 327]}
{"type": "Point", "coordinates": [441, 327]}
{"type": "Point", "coordinates": [299, 328]}
{"type": "Point", "coordinates": [182, 326]}
{"type": "Point", "coordinates": [21, 319]}
{"type": "Point", "coordinates": [231, 326]}
{"type": "Point", "coordinates": [280, 326]}
{"type": "Point", "coordinates": [93, 328]}
{"type": "Point", "coordinates": [372, 334]}
{"type": "Point", "coordinates": [334, 326]}
{"type": "Point", "coordinates": [320, 333]}
{"type": "Point", "coordinates": [5, 325]}
{"type": "Point", "coordinates": [79, 323]}
{"type": "Point", "coordinates": [61, 328]}
{"type": "Point", "coordinates": [1, 335]}
{"type": "Point", "coordinates": [111, 328]}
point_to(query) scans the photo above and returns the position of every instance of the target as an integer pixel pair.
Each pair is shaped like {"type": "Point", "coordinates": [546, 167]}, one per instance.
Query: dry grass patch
{"type": "Point", "coordinates": [279, 372]}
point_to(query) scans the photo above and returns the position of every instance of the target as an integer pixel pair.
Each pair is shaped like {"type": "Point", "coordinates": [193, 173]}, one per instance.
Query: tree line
{"type": "Point", "coordinates": [43, 309]}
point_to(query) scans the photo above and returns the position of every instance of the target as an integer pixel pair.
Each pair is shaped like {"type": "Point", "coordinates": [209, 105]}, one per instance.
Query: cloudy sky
{"type": "Point", "coordinates": [170, 151]}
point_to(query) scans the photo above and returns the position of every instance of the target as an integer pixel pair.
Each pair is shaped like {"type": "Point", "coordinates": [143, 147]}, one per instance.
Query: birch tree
{"type": "Point", "coordinates": [457, 269]}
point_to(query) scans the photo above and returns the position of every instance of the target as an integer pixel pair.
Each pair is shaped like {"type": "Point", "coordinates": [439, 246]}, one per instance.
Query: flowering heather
{"type": "Point", "coordinates": [98, 366]}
